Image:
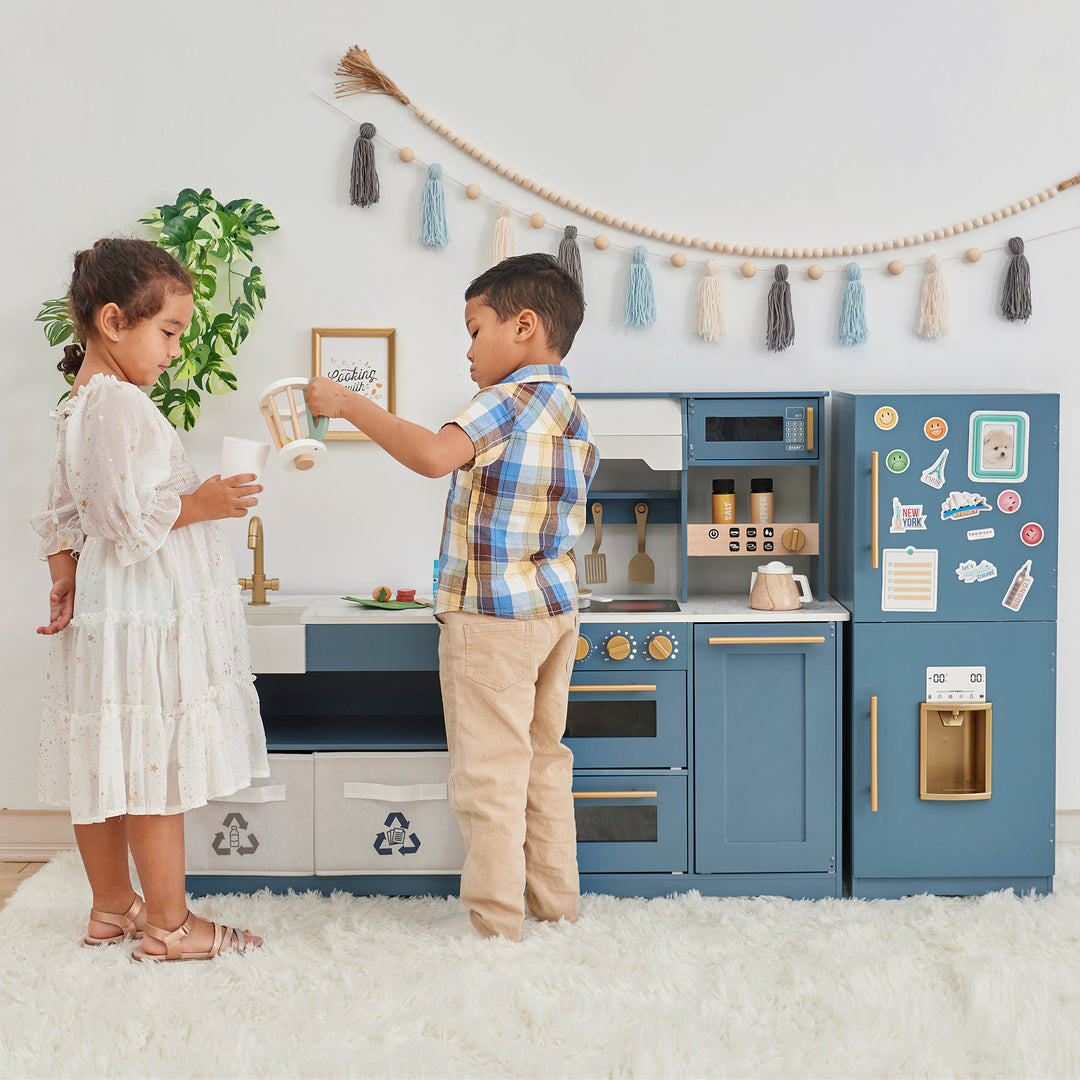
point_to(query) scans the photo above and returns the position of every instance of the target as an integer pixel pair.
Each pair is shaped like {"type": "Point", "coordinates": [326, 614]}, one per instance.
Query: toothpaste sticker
{"type": "Point", "coordinates": [906, 517]}
{"type": "Point", "coordinates": [934, 475]}
{"type": "Point", "coordinates": [980, 534]}
{"type": "Point", "coordinates": [963, 504]}
{"type": "Point", "coordinates": [971, 571]}
{"type": "Point", "coordinates": [1020, 587]}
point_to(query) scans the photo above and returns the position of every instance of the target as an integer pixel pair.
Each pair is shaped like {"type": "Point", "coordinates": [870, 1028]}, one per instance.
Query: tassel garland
{"type": "Point", "coordinates": [364, 183]}
{"type": "Point", "coordinates": [433, 230]}
{"type": "Point", "coordinates": [1016, 298]}
{"type": "Point", "coordinates": [569, 256]}
{"type": "Point", "coordinates": [853, 330]}
{"type": "Point", "coordinates": [710, 304]}
{"type": "Point", "coordinates": [780, 332]}
{"type": "Point", "coordinates": [640, 300]}
{"type": "Point", "coordinates": [502, 244]}
{"type": "Point", "coordinates": [934, 310]}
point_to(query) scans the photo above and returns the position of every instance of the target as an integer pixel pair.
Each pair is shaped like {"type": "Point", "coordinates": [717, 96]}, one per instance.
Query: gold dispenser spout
{"type": "Point", "coordinates": [258, 583]}
{"type": "Point", "coordinates": [953, 719]}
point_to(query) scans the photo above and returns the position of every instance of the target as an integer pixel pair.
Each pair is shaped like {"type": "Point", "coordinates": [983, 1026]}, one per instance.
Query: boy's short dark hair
{"type": "Point", "coordinates": [538, 282]}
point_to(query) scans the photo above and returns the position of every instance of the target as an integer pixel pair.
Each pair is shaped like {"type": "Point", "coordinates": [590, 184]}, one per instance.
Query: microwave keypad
{"type": "Point", "coordinates": [795, 428]}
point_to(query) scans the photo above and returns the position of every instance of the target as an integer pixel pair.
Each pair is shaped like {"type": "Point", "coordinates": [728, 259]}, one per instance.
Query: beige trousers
{"type": "Point", "coordinates": [504, 689]}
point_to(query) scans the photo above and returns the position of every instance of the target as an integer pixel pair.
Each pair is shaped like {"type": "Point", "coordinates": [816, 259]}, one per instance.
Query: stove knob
{"type": "Point", "coordinates": [618, 647]}
{"type": "Point", "coordinates": [584, 647]}
{"type": "Point", "coordinates": [660, 647]}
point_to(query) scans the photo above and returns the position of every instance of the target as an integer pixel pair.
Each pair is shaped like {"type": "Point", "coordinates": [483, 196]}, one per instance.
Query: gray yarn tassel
{"type": "Point", "coordinates": [1016, 298]}
{"type": "Point", "coordinates": [781, 329]}
{"type": "Point", "coordinates": [570, 255]}
{"type": "Point", "coordinates": [364, 183]}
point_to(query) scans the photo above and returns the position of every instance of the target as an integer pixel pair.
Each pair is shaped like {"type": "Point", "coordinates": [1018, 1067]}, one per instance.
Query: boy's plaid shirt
{"type": "Point", "coordinates": [516, 510]}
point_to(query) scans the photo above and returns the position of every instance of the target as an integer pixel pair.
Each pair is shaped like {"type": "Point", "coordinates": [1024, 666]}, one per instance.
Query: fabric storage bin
{"type": "Point", "coordinates": [385, 813]}
{"type": "Point", "coordinates": [267, 828]}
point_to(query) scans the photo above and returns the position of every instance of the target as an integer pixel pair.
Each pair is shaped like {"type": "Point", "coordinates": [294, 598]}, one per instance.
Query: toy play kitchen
{"type": "Point", "coordinates": [707, 726]}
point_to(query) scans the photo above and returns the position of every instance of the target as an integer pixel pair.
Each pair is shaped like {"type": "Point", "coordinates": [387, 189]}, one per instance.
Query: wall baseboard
{"type": "Point", "coordinates": [38, 835]}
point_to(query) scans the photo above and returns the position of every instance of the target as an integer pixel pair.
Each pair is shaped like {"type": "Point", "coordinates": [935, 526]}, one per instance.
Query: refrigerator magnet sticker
{"type": "Point", "coordinates": [963, 504]}
{"type": "Point", "coordinates": [1020, 587]}
{"type": "Point", "coordinates": [1008, 502]}
{"type": "Point", "coordinates": [980, 534]}
{"type": "Point", "coordinates": [935, 429]}
{"type": "Point", "coordinates": [906, 516]}
{"type": "Point", "coordinates": [934, 475]}
{"type": "Point", "coordinates": [998, 447]}
{"type": "Point", "coordinates": [909, 579]}
{"type": "Point", "coordinates": [886, 418]}
{"type": "Point", "coordinates": [1032, 534]}
{"type": "Point", "coordinates": [971, 571]}
{"type": "Point", "coordinates": [897, 461]}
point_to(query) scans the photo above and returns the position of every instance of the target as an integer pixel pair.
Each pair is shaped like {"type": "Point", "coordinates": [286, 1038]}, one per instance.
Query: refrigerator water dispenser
{"type": "Point", "coordinates": [955, 749]}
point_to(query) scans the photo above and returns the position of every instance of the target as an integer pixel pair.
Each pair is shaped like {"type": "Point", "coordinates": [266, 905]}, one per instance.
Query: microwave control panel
{"type": "Point", "coordinates": [795, 427]}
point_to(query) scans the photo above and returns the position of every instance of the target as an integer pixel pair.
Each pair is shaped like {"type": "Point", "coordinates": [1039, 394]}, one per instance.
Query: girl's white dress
{"type": "Point", "coordinates": [150, 704]}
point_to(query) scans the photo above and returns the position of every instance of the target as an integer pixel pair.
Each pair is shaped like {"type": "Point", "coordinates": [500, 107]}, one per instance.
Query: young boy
{"type": "Point", "coordinates": [506, 603]}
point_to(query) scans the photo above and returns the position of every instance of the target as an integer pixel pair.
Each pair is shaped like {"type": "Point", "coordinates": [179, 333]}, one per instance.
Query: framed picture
{"type": "Point", "coordinates": [362, 360]}
{"type": "Point", "coordinates": [998, 447]}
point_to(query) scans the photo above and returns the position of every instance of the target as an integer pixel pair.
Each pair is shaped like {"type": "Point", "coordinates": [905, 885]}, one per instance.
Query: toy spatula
{"type": "Point", "coordinates": [640, 570]}
{"type": "Point", "coordinates": [595, 563]}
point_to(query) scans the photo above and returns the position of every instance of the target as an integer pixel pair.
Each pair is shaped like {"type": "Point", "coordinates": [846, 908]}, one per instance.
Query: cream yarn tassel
{"type": "Point", "coordinates": [502, 246]}
{"type": "Point", "coordinates": [934, 312]}
{"type": "Point", "coordinates": [710, 304]}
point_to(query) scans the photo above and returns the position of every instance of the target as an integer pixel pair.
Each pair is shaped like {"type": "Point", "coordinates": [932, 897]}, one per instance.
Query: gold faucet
{"type": "Point", "coordinates": [258, 583]}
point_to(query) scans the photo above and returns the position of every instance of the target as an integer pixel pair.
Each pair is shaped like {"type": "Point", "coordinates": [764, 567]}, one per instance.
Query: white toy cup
{"type": "Point", "coordinates": [302, 448]}
{"type": "Point", "coordinates": [243, 456]}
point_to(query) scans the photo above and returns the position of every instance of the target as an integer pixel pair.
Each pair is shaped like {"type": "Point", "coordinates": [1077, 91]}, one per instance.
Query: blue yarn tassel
{"type": "Point", "coordinates": [640, 301]}
{"type": "Point", "coordinates": [433, 230]}
{"type": "Point", "coordinates": [853, 329]}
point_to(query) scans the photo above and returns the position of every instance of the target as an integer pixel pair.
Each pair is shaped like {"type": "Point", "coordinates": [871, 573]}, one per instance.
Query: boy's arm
{"type": "Point", "coordinates": [430, 453]}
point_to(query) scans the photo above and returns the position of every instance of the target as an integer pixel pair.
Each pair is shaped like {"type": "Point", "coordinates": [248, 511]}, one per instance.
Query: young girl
{"type": "Point", "coordinates": [150, 707]}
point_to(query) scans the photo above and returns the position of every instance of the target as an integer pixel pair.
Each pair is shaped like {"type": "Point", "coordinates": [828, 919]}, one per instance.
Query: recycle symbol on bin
{"type": "Point", "coordinates": [234, 823]}
{"type": "Point", "coordinates": [397, 832]}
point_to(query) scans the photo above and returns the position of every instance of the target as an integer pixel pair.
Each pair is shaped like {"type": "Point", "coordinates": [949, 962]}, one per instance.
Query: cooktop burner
{"type": "Point", "coordinates": [633, 604]}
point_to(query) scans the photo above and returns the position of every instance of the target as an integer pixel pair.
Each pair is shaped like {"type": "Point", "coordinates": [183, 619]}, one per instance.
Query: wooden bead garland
{"type": "Point", "coordinates": [537, 220]}
{"type": "Point", "coordinates": [748, 269]}
{"type": "Point", "coordinates": [473, 191]}
{"type": "Point", "coordinates": [973, 254]}
{"type": "Point", "coordinates": [814, 272]}
{"type": "Point", "coordinates": [600, 242]}
{"type": "Point", "coordinates": [406, 154]}
{"type": "Point", "coordinates": [895, 267]}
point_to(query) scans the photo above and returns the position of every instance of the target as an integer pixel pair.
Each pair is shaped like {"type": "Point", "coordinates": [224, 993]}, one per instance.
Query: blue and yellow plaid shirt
{"type": "Point", "coordinates": [516, 510]}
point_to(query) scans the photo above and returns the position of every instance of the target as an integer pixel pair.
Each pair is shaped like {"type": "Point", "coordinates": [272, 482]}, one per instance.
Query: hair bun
{"type": "Point", "coordinates": [73, 358]}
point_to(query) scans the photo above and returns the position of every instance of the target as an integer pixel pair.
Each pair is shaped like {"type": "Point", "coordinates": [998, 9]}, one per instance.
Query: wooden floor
{"type": "Point", "coordinates": [12, 874]}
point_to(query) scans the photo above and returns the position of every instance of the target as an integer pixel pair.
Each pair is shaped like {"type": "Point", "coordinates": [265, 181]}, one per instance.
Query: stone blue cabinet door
{"type": "Point", "coordinates": [765, 748]}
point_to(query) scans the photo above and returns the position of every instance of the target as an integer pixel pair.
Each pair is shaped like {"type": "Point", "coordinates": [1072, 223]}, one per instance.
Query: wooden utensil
{"type": "Point", "coordinates": [595, 563]}
{"type": "Point", "coordinates": [641, 566]}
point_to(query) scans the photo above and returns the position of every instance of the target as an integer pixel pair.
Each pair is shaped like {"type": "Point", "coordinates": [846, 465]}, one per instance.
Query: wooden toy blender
{"type": "Point", "coordinates": [304, 448]}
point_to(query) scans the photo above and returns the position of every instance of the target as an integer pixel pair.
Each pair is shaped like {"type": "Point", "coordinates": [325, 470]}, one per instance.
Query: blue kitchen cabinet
{"type": "Point", "coordinates": [766, 748]}
{"type": "Point", "coordinates": [974, 838]}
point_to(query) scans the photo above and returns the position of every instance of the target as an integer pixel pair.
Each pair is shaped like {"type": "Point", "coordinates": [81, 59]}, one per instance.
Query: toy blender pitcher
{"type": "Point", "coordinates": [303, 448]}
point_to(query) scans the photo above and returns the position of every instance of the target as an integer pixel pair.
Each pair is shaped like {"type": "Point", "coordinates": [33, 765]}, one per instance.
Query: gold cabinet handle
{"type": "Point", "coordinates": [873, 754]}
{"type": "Point", "coordinates": [617, 688]}
{"type": "Point", "coordinates": [873, 510]}
{"type": "Point", "coordinates": [809, 428]}
{"type": "Point", "coordinates": [614, 794]}
{"type": "Point", "coordinates": [765, 641]}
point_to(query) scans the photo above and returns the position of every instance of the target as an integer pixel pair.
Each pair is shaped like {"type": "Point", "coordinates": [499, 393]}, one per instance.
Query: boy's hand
{"type": "Point", "coordinates": [61, 605]}
{"type": "Point", "coordinates": [325, 397]}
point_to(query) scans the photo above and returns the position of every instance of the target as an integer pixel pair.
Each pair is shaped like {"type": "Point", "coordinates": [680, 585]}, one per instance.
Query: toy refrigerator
{"type": "Point", "coordinates": [945, 553]}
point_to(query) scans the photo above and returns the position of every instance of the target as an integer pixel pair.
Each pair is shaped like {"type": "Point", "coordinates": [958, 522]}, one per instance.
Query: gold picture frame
{"type": "Point", "coordinates": [360, 360]}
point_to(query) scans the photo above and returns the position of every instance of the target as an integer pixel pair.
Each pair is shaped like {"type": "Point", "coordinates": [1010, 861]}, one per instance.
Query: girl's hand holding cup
{"type": "Point", "coordinates": [231, 496]}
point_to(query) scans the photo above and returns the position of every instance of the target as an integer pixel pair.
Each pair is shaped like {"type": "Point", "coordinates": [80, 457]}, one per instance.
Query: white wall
{"type": "Point", "coordinates": [784, 123]}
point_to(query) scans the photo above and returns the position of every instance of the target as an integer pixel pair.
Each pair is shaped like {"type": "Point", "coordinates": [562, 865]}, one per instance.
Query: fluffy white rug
{"type": "Point", "coordinates": [684, 986]}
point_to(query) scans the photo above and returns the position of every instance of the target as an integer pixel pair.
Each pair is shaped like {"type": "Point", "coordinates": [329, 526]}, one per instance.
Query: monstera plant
{"type": "Point", "coordinates": [217, 244]}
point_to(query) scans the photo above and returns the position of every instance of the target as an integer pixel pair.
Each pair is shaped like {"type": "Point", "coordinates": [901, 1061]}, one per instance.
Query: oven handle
{"type": "Point", "coordinates": [617, 688]}
{"type": "Point", "coordinates": [766, 641]}
{"type": "Point", "coordinates": [614, 794]}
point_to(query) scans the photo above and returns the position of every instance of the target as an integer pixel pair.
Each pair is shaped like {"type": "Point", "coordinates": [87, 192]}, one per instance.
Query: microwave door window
{"type": "Point", "coordinates": [740, 429]}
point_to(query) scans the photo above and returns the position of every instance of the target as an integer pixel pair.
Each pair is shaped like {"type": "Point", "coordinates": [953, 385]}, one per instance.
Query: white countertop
{"type": "Point", "coordinates": [332, 610]}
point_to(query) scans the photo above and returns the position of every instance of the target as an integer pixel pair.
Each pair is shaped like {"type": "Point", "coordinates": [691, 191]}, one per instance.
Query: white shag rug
{"type": "Point", "coordinates": [687, 986]}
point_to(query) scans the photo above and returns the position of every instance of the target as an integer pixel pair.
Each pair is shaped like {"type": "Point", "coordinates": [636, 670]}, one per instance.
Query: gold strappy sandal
{"type": "Point", "coordinates": [226, 939]}
{"type": "Point", "coordinates": [125, 923]}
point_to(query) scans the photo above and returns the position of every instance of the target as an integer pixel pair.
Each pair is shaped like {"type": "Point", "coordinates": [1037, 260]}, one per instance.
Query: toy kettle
{"type": "Point", "coordinates": [775, 587]}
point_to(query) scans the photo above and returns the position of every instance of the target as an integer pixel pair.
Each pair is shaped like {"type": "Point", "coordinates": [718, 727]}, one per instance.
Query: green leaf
{"type": "Point", "coordinates": [255, 288]}
{"type": "Point", "coordinates": [58, 331]}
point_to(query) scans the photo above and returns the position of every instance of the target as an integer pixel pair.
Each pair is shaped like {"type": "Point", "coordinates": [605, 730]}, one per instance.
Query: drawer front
{"type": "Point", "coordinates": [631, 822]}
{"type": "Point", "coordinates": [264, 829]}
{"type": "Point", "coordinates": [356, 647]}
{"type": "Point", "coordinates": [385, 813]}
{"type": "Point", "coordinates": [637, 720]}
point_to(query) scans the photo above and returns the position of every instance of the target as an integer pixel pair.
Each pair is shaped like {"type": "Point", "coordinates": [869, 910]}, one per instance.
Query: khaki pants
{"type": "Point", "coordinates": [504, 689]}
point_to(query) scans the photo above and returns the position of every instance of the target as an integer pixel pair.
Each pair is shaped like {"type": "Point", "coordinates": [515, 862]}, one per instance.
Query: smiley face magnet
{"type": "Point", "coordinates": [897, 461]}
{"type": "Point", "coordinates": [935, 429]}
{"type": "Point", "coordinates": [1031, 534]}
{"type": "Point", "coordinates": [886, 418]}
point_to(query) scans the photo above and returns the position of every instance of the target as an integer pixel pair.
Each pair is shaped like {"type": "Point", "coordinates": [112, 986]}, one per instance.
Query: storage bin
{"type": "Point", "coordinates": [385, 813]}
{"type": "Point", "coordinates": [267, 828]}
